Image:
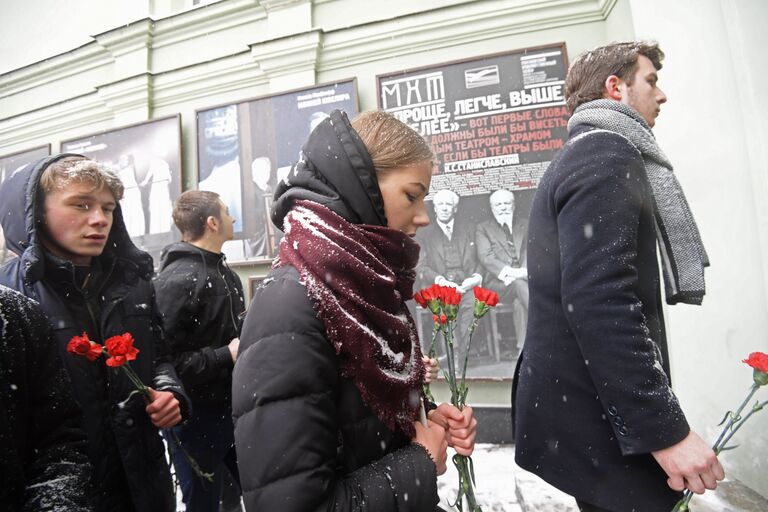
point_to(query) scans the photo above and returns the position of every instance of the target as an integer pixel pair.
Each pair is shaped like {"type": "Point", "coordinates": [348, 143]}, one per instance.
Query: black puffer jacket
{"type": "Point", "coordinates": [305, 440]}
{"type": "Point", "coordinates": [127, 454]}
{"type": "Point", "coordinates": [200, 301]}
{"type": "Point", "coordinates": [43, 463]}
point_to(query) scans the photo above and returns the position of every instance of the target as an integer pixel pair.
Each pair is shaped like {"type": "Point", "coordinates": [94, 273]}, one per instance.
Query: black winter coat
{"type": "Point", "coordinates": [305, 440]}
{"type": "Point", "coordinates": [592, 390]}
{"type": "Point", "coordinates": [43, 461]}
{"type": "Point", "coordinates": [200, 301]}
{"type": "Point", "coordinates": [128, 457]}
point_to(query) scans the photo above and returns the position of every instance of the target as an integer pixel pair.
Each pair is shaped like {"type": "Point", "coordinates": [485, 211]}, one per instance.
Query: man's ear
{"type": "Point", "coordinates": [212, 223]}
{"type": "Point", "coordinates": [613, 89]}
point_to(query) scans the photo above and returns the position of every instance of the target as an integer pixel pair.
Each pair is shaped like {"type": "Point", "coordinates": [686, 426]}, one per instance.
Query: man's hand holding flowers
{"type": "Point", "coordinates": [164, 409]}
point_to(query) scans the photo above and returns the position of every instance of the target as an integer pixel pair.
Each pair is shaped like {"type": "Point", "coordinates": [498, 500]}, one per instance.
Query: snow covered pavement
{"type": "Point", "coordinates": [504, 487]}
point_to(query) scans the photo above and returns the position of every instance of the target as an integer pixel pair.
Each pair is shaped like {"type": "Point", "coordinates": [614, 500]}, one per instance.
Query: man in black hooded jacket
{"type": "Point", "coordinates": [61, 216]}
{"type": "Point", "coordinates": [200, 300]}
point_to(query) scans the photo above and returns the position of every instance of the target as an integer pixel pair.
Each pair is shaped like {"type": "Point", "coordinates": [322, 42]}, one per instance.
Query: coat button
{"type": "Point", "coordinates": [623, 431]}
{"type": "Point", "coordinates": [618, 421]}
{"type": "Point", "coordinates": [612, 411]}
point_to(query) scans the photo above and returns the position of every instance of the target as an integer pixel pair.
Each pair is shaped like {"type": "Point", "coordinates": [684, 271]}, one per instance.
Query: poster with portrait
{"type": "Point", "coordinates": [147, 157]}
{"type": "Point", "coordinates": [494, 123]}
{"type": "Point", "coordinates": [245, 149]}
{"type": "Point", "coordinates": [9, 164]}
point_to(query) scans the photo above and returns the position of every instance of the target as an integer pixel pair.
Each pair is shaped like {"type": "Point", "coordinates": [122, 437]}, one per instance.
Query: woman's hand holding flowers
{"type": "Point", "coordinates": [460, 425]}
{"type": "Point", "coordinates": [434, 439]}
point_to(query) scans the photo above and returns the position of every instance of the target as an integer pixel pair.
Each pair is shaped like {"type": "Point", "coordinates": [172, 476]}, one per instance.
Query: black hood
{"type": "Point", "coordinates": [336, 171]}
{"type": "Point", "coordinates": [21, 218]}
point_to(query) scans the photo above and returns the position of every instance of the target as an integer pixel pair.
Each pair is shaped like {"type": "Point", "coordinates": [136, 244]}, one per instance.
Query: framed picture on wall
{"type": "Point", "coordinates": [244, 149]}
{"type": "Point", "coordinates": [494, 123]}
{"type": "Point", "coordinates": [8, 164]}
{"type": "Point", "coordinates": [253, 283]}
{"type": "Point", "coordinates": [147, 157]}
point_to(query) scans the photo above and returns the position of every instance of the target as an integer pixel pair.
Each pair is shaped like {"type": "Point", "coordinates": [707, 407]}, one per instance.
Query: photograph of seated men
{"type": "Point", "coordinates": [448, 257]}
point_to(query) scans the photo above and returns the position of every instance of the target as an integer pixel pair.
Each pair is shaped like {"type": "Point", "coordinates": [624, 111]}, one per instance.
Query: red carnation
{"type": "Point", "coordinates": [121, 349]}
{"type": "Point", "coordinates": [420, 299]}
{"type": "Point", "coordinates": [485, 299]}
{"type": "Point", "coordinates": [429, 298]}
{"type": "Point", "coordinates": [440, 319]}
{"type": "Point", "coordinates": [83, 346]}
{"type": "Point", "coordinates": [450, 295]}
{"type": "Point", "coordinates": [489, 297]}
{"type": "Point", "coordinates": [758, 361]}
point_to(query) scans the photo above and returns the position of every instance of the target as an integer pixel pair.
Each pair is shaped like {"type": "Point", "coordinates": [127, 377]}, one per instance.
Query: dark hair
{"type": "Point", "coordinates": [390, 142]}
{"type": "Point", "coordinates": [586, 78]}
{"type": "Point", "coordinates": [191, 212]}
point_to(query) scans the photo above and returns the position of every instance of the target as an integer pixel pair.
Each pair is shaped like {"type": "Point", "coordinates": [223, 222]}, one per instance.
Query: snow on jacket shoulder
{"type": "Point", "coordinates": [305, 440]}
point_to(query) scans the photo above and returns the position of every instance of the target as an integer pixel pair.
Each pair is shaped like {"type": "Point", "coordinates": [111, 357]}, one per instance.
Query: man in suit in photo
{"type": "Point", "coordinates": [501, 249]}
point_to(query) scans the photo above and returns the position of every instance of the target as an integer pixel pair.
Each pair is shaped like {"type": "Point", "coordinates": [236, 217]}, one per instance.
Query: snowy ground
{"type": "Point", "coordinates": [497, 476]}
{"type": "Point", "coordinates": [504, 487]}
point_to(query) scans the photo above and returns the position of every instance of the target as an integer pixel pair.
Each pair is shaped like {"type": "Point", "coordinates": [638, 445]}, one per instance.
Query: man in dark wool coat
{"type": "Point", "coordinates": [594, 412]}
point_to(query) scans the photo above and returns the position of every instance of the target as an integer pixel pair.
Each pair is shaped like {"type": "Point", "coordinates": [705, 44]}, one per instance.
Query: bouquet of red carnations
{"type": "Point", "coordinates": [119, 350]}
{"type": "Point", "coordinates": [443, 302]}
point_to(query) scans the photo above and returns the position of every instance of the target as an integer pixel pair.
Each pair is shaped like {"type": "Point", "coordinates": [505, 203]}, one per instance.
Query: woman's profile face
{"type": "Point", "coordinates": [403, 190]}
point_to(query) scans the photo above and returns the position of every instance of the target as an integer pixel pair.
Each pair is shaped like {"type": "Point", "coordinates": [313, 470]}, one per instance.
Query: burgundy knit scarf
{"type": "Point", "coordinates": [358, 277]}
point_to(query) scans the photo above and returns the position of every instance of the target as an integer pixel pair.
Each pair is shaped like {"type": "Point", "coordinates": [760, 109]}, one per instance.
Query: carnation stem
{"type": "Point", "coordinates": [722, 440]}
{"type": "Point", "coordinates": [735, 429]}
{"type": "Point", "coordinates": [448, 335]}
{"type": "Point", "coordinates": [435, 331]}
{"type": "Point", "coordinates": [470, 333]}
{"type": "Point", "coordinates": [144, 389]}
{"type": "Point", "coordinates": [733, 417]}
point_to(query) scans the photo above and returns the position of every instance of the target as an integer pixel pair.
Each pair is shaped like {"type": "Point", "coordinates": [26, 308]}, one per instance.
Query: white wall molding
{"type": "Point", "coordinates": [453, 26]}
{"type": "Point", "coordinates": [288, 55]}
{"type": "Point", "coordinates": [128, 99]}
{"type": "Point", "coordinates": [193, 84]}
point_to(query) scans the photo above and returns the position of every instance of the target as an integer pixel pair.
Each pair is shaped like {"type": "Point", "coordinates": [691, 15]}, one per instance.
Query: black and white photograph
{"type": "Point", "coordinates": [494, 123]}
{"type": "Point", "coordinates": [245, 149]}
{"type": "Point", "coordinates": [147, 157]}
{"type": "Point", "coordinates": [8, 164]}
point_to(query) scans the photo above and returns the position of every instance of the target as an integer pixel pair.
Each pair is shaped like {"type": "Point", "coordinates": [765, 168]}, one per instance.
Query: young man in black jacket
{"type": "Point", "coordinates": [200, 300]}
{"type": "Point", "coordinates": [62, 217]}
{"type": "Point", "coordinates": [595, 413]}
{"type": "Point", "coordinates": [43, 463]}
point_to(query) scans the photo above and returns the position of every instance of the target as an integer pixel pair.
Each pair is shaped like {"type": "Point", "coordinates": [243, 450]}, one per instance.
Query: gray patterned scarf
{"type": "Point", "coordinates": [682, 251]}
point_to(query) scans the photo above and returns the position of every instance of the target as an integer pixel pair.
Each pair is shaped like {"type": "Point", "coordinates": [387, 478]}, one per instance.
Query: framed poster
{"type": "Point", "coordinates": [245, 149]}
{"type": "Point", "coordinates": [8, 164]}
{"type": "Point", "coordinates": [494, 123]}
{"type": "Point", "coordinates": [253, 283]}
{"type": "Point", "coordinates": [147, 157]}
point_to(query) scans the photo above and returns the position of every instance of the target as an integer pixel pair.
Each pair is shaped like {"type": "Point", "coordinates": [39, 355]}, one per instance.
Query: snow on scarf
{"type": "Point", "coordinates": [682, 251]}
{"type": "Point", "coordinates": [358, 277]}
